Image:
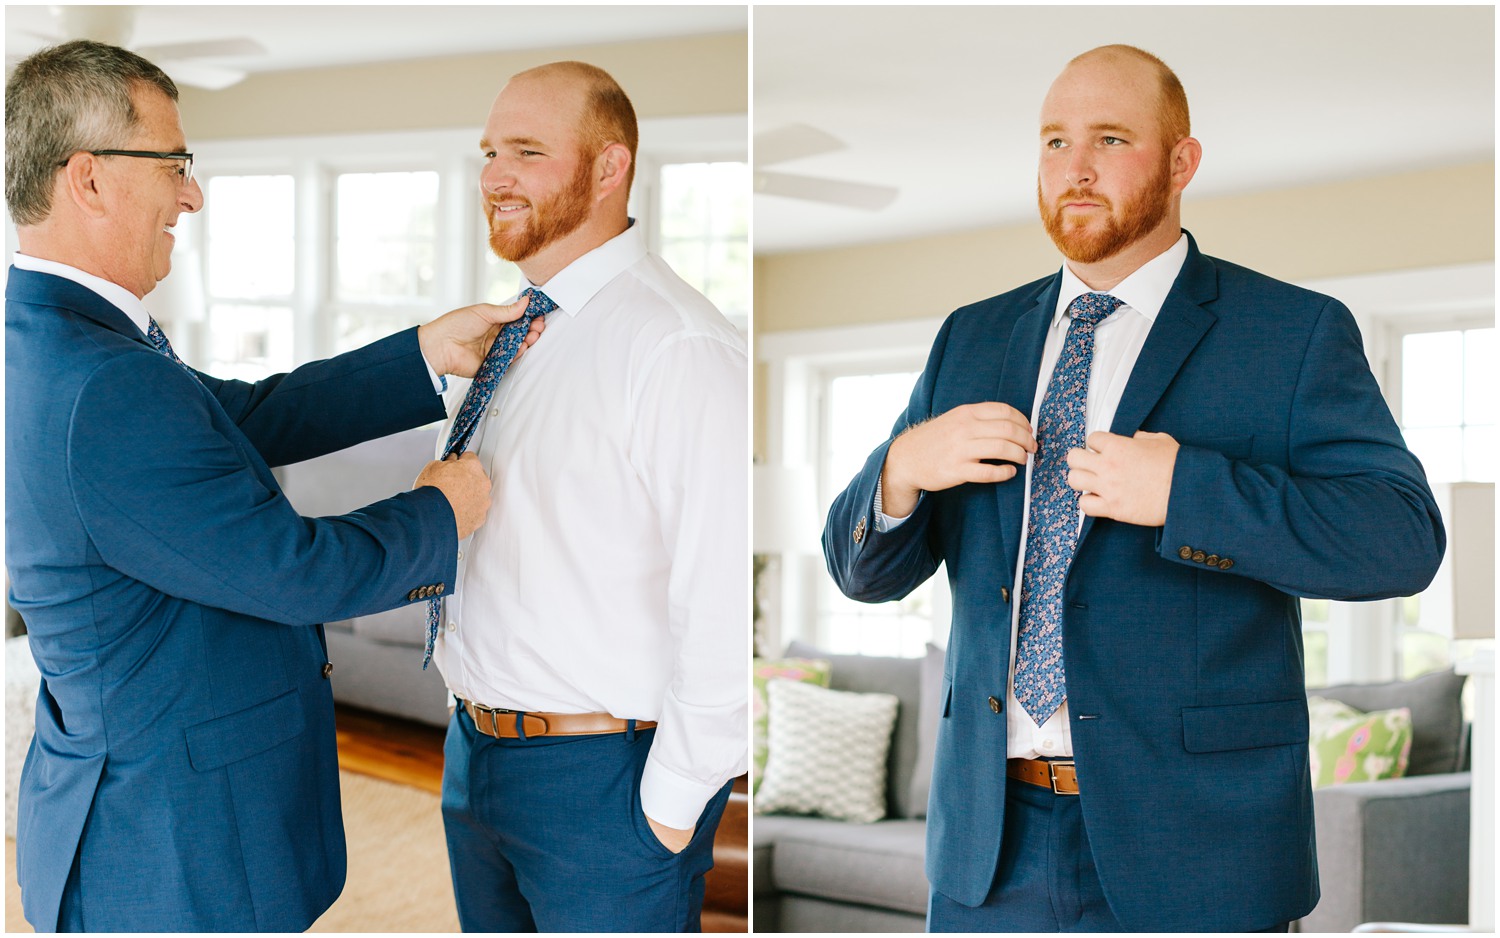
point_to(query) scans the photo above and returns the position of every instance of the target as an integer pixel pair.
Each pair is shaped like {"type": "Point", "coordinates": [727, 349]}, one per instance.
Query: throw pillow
{"type": "Point", "coordinates": [810, 670]}
{"type": "Point", "coordinates": [828, 752]}
{"type": "Point", "coordinates": [1345, 745]}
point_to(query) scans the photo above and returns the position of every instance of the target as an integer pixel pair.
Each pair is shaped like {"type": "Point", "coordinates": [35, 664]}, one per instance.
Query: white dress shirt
{"type": "Point", "coordinates": [1117, 344]}
{"type": "Point", "coordinates": [612, 574]}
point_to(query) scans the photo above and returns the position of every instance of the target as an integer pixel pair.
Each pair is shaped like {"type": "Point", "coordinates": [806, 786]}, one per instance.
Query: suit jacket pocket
{"type": "Point", "coordinates": [1245, 726]}
{"type": "Point", "coordinates": [217, 743]}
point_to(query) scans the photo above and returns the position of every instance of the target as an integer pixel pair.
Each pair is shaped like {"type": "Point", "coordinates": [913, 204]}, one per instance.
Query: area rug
{"type": "Point", "coordinates": [398, 864]}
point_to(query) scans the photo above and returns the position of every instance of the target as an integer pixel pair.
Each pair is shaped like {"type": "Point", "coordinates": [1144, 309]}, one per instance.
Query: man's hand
{"type": "Point", "coordinates": [947, 450]}
{"type": "Point", "coordinates": [1125, 478]}
{"type": "Point", "coordinates": [456, 342]}
{"type": "Point", "coordinates": [673, 838]}
{"type": "Point", "coordinates": [466, 486]}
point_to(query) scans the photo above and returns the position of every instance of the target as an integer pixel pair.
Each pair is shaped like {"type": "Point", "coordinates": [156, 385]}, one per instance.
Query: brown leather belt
{"type": "Point", "coordinates": [1059, 776]}
{"type": "Point", "coordinates": [502, 724]}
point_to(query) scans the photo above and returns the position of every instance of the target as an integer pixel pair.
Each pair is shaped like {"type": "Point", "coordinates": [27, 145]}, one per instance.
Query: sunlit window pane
{"type": "Point", "coordinates": [1479, 454]}
{"type": "Point", "coordinates": [1315, 657]}
{"type": "Point", "coordinates": [249, 342]}
{"type": "Point", "coordinates": [500, 280]}
{"type": "Point", "coordinates": [386, 236]}
{"type": "Point", "coordinates": [1432, 380]}
{"type": "Point", "coordinates": [358, 328]}
{"type": "Point", "coordinates": [862, 409]}
{"type": "Point", "coordinates": [251, 250]}
{"type": "Point", "coordinates": [1440, 450]}
{"type": "Point", "coordinates": [705, 230]}
{"type": "Point", "coordinates": [1479, 376]}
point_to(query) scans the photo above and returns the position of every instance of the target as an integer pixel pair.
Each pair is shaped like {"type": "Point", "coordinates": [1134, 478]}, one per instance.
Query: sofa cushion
{"type": "Point", "coordinates": [828, 751]}
{"type": "Point", "coordinates": [872, 864]}
{"type": "Point", "coordinates": [807, 670]}
{"type": "Point", "coordinates": [899, 676]}
{"type": "Point", "coordinates": [406, 625]}
{"type": "Point", "coordinates": [1437, 721]}
{"type": "Point", "coordinates": [1345, 745]}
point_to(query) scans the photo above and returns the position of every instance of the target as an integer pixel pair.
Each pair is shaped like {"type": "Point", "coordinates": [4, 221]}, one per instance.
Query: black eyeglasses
{"type": "Point", "coordinates": [187, 159]}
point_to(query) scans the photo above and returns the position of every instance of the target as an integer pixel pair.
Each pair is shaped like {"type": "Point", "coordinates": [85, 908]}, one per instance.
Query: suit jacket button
{"type": "Point", "coordinates": [327, 669]}
{"type": "Point", "coordinates": [1212, 560]}
{"type": "Point", "coordinates": [412, 595]}
{"type": "Point", "coordinates": [1004, 595]}
{"type": "Point", "coordinates": [994, 705]}
{"type": "Point", "coordinates": [859, 531]}
{"type": "Point", "coordinates": [1225, 564]}
{"type": "Point", "coordinates": [1186, 553]}
{"type": "Point", "coordinates": [1199, 556]}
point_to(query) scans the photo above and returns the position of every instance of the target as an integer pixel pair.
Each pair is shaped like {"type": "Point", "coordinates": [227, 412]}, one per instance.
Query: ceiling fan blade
{"type": "Point", "coordinates": [206, 49]}
{"type": "Point", "coordinates": [198, 75]}
{"type": "Point", "coordinates": [858, 195]}
{"type": "Point", "coordinates": [792, 142]}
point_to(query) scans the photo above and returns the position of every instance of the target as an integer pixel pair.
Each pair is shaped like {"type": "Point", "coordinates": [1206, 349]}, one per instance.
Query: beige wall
{"type": "Point", "coordinates": [1412, 220]}
{"type": "Point", "coordinates": [456, 91]}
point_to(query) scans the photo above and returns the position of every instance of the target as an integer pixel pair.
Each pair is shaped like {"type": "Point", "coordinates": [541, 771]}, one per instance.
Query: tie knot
{"type": "Point", "coordinates": [539, 303]}
{"type": "Point", "coordinates": [1093, 308]}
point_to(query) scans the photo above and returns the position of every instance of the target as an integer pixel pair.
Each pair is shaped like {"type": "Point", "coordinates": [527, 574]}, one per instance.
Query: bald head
{"type": "Point", "coordinates": [603, 112]}
{"type": "Point", "coordinates": [1141, 73]}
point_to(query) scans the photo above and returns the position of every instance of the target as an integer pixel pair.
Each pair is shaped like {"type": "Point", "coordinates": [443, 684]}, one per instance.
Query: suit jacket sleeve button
{"type": "Point", "coordinates": [1225, 564]}
{"type": "Point", "coordinates": [1186, 553]}
{"type": "Point", "coordinates": [440, 589]}
{"type": "Point", "coordinates": [859, 531]}
{"type": "Point", "coordinates": [994, 705]}
{"type": "Point", "coordinates": [1199, 556]}
{"type": "Point", "coordinates": [327, 669]}
{"type": "Point", "coordinates": [412, 596]}
{"type": "Point", "coordinates": [1212, 560]}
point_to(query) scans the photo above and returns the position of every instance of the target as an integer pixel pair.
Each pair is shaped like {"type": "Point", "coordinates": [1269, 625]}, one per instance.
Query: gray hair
{"type": "Point", "coordinates": [63, 99]}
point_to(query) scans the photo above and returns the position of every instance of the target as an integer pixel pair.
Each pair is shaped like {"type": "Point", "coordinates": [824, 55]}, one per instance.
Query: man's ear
{"type": "Point", "coordinates": [80, 183]}
{"type": "Point", "coordinates": [611, 169]}
{"type": "Point", "coordinates": [1184, 160]}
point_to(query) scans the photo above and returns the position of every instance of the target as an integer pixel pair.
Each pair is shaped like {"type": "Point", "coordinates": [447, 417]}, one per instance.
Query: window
{"type": "Point", "coordinates": [704, 232]}
{"type": "Point", "coordinates": [385, 246]}
{"type": "Point", "coordinates": [858, 414]}
{"type": "Point", "coordinates": [250, 275]}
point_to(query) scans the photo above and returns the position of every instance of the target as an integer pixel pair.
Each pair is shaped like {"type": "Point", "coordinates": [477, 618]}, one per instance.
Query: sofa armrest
{"type": "Point", "coordinates": [1392, 850]}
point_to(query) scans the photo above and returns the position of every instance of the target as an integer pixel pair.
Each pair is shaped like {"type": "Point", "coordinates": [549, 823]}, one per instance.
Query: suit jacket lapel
{"type": "Point", "coordinates": [1181, 324]}
{"type": "Point", "coordinates": [1018, 379]}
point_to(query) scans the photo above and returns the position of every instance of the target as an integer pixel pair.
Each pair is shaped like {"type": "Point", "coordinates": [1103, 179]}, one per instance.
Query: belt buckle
{"type": "Point", "coordinates": [494, 721]}
{"type": "Point", "coordinates": [1052, 775]}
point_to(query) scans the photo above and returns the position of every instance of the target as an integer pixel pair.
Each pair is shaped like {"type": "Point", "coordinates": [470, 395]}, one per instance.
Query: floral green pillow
{"type": "Point", "coordinates": [807, 670]}
{"type": "Point", "coordinates": [1346, 745]}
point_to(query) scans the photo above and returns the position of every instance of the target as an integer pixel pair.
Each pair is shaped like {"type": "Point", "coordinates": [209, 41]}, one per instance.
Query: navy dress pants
{"type": "Point", "coordinates": [547, 834]}
{"type": "Point", "coordinates": [1046, 881]}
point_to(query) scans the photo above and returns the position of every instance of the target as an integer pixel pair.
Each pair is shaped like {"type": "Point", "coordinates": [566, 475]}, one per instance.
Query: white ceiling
{"type": "Point", "coordinates": [943, 101]}
{"type": "Point", "coordinates": [312, 36]}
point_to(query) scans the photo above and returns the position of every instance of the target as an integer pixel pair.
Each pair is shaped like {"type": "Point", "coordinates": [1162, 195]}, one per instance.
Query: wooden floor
{"type": "Point", "coordinates": [412, 754]}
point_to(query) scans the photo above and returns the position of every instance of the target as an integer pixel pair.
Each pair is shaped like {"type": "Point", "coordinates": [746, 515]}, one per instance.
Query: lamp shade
{"type": "Point", "coordinates": [786, 513]}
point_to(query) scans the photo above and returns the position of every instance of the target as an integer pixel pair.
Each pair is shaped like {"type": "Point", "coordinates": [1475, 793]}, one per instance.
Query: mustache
{"type": "Point", "coordinates": [1081, 195]}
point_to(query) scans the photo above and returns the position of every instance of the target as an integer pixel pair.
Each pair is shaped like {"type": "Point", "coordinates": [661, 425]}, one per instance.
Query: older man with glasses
{"type": "Point", "coordinates": [183, 776]}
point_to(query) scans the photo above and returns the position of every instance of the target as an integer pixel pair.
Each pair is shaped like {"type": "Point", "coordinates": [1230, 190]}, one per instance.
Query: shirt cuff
{"type": "Point", "coordinates": [668, 798]}
{"type": "Point", "coordinates": [439, 382]}
{"type": "Point", "coordinates": [883, 521]}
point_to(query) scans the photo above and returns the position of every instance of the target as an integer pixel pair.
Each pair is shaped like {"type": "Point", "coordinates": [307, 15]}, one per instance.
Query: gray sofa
{"type": "Point", "coordinates": [1394, 850]}
{"type": "Point", "coordinates": [377, 660]}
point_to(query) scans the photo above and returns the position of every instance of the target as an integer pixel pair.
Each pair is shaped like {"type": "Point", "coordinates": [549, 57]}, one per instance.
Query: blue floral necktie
{"type": "Point", "coordinates": [158, 340]}
{"type": "Point", "coordinates": [1052, 530]}
{"type": "Point", "coordinates": [507, 344]}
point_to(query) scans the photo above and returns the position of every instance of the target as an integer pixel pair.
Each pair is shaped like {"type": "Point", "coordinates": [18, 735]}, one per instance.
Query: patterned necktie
{"type": "Point", "coordinates": [158, 340]}
{"type": "Point", "coordinates": [507, 344]}
{"type": "Point", "coordinates": [1052, 530]}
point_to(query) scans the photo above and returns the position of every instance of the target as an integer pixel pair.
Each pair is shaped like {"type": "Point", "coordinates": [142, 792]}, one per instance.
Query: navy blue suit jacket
{"type": "Point", "coordinates": [184, 748]}
{"type": "Point", "coordinates": [1185, 678]}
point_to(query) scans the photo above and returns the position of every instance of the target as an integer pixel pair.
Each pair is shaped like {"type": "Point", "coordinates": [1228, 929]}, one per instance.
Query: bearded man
{"type": "Point", "coordinates": [1132, 469]}
{"type": "Point", "coordinates": [595, 642]}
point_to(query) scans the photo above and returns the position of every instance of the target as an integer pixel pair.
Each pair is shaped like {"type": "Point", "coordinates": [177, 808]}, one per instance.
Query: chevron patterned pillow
{"type": "Point", "coordinates": [828, 752]}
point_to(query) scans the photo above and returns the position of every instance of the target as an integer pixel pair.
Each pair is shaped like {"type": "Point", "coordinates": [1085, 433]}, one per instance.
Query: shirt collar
{"type": "Point", "coordinates": [572, 287]}
{"type": "Point", "coordinates": [114, 294]}
{"type": "Point", "coordinates": [1144, 291]}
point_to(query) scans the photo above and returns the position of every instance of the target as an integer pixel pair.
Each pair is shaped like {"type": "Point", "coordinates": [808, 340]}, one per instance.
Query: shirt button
{"type": "Point", "coordinates": [495, 412]}
{"type": "Point", "coordinates": [453, 626]}
{"type": "Point", "coordinates": [1047, 744]}
{"type": "Point", "coordinates": [460, 555]}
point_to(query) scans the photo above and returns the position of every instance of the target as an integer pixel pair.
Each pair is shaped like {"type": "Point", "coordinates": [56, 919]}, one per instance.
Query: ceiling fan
{"type": "Point", "coordinates": [795, 141]}
{"type": "Point", "coordinates": [116, 25]}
